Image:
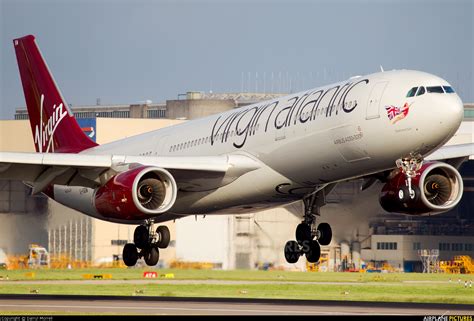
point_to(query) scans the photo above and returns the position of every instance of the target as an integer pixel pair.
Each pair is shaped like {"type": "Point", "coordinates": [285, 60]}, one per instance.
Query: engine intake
{"type": "Point", "coordinates": [138, 191]}
{"type": "Point", "coordinates": [151, 193]}
{"type": "Point", "coordinates": [439, 188]}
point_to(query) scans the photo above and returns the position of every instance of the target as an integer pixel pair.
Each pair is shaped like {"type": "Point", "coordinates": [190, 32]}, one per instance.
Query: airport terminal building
{"type": "Point", "coordinates": [363, 233]}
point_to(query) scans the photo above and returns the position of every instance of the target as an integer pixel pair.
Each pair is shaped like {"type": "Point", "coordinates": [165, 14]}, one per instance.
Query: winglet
{"type": "Point", "coordinates": [54, 127]}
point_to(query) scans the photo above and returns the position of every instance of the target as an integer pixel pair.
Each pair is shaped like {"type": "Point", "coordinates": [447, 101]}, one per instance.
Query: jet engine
{"type": "Point", "coordinates": [438, 188]}
{"type": "Point", "coordinates": [138, 191]}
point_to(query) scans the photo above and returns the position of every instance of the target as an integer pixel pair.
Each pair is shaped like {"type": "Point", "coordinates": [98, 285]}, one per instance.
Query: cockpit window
{"type": "Point", "coordinates": [435, 89]}
{"type": "Point", "coordinates": [412, 92]}
{"type": "Point", "coordinates": [448, 89]}
{"type": "Point", "coordinates": [421, 91]}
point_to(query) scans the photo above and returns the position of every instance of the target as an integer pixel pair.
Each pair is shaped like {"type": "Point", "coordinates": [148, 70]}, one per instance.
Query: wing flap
{"type": "Point", "coordinates": [56, 159]}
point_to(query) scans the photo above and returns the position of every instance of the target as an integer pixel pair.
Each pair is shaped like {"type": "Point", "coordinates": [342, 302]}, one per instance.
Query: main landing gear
{"type": "Point", "coordinates": [148, 242]}
{"type": "Point", "coordinates": [306, 231]}
{"type": "Point", "coordinates": [409, 167]}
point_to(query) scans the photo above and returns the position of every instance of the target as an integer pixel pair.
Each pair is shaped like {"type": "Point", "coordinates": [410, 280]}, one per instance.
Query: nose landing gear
{"type": "Point", "coordinates": [306, 231]}
{"type": "Point", "coordinates": [409, 167]}
{"type": "Point", "coordinates": [148, 242]}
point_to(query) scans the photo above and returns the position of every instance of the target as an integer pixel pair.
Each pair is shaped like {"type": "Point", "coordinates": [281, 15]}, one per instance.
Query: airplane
{"type": "Point", "coordinates": [387, 126]}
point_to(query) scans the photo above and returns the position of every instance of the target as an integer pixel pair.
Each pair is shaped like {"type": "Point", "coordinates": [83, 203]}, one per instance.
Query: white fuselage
{"type": "Point", "coordinates": [307, 139]}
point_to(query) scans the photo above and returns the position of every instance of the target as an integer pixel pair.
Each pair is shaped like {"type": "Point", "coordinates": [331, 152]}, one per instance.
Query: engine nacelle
{"type": "Point", "coordinates": [138, 191]}
{"type": "Point", "coordinates": [439, 188]}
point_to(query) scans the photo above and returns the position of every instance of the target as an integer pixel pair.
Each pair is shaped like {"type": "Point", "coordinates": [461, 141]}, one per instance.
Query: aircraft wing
{"type": "Point", "coordinates": [193, 173]}
{"type": "Point", "coordinates": [461, 151]}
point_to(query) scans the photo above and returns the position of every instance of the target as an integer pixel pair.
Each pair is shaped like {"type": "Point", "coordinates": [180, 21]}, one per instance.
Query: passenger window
{"type": "Point", "coordinates": [435, 89]}
{"type": "Point", "coordinates": [421, 91]}
{"type": "Point", "coordinates": [448, 89]}
{"type": "Point", "coordinates": [412, 92]}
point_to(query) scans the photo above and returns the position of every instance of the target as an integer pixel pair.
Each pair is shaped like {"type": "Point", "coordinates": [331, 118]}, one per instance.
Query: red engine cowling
{"type": "Point", "coordinates": [136, 193]}
{"type": "Point", "coordinates": [438, 187]}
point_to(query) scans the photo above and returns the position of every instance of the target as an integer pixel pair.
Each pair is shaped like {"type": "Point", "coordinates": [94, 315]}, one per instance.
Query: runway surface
{"type": "Point", "coordinates": [217, 306]}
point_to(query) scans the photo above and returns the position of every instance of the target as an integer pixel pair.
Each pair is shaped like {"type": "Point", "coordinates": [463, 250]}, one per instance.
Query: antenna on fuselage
{"type": "Point", "coordinates": [381, 68]}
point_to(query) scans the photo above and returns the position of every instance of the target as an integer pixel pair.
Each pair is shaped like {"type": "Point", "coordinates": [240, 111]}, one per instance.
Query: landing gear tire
{"type": "Point", "coordinates": [303, 233]}
{"type": "Point", "coordinates": [325, 234]}
{"type": "Point", "coordinates": [292, 252]}
{"type": "Point", "coordinates": [164, 236]}
{"type": "Point", "coordinates": [306, 231]}
{"type": "Point", "coordinates": [130, 254]}
{"type": "Point", "coordinates": [314, 252]}
{"type": "Point", "coordinates": [141, 237]}
{"type": "Point", "coordinates": [151, 255]}
{"type": "Point", "coordinates": [417, 193]}
{"type": "Point", "coordinates": [409, 166]}
{"type": "Point", "coordinates": [404, 194]}
{"type": "Point", "coordinates": [149, 242]}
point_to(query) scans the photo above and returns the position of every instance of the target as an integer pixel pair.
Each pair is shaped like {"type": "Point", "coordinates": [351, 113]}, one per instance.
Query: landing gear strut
{"type": "Point", "coordinates": [148, 242]}
{"type": "Point", "coordinates": [409, 167]}
{"type": "Point", "coordinates": [306, 231]}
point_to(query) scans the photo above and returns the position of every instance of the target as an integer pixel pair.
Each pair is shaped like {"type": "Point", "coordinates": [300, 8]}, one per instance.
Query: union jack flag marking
{"type": "Point", "coordinates": [392, 111]}
{"type": "Point", "coordinates": [395, 113]}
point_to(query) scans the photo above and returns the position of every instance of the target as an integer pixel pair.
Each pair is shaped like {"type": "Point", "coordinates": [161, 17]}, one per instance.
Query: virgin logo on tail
{"type": "Point", "coordinates": [44, 131]}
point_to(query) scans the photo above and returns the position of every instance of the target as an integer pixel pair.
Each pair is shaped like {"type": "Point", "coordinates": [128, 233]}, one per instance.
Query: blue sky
{"type": "Point", "coordinates": [130, 51]}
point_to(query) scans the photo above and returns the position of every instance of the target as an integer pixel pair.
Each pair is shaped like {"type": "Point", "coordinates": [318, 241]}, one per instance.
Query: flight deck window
{"type": "Point", "coordinates": [435, 89]}
{"type": "Point", "coordinates": [412, 92]}
{"type": "Point", "coordinates": [448, 89]}
{"type": "Point", "coordinates": [421, 91]}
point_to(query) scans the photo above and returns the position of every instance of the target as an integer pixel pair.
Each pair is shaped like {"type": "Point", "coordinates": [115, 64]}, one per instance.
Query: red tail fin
{"type": "Point", "coordinates": [55, 130]}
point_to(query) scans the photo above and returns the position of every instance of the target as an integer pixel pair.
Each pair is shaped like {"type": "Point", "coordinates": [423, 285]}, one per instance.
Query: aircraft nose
{"type": "Point", "coordinates": [448, 113]}
{"type": "Point", "coordinates": [451, 112]}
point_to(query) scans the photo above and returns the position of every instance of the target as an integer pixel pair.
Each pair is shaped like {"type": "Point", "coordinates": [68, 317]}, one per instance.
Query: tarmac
{"type": "Point", "coordinates": [146, 305]}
